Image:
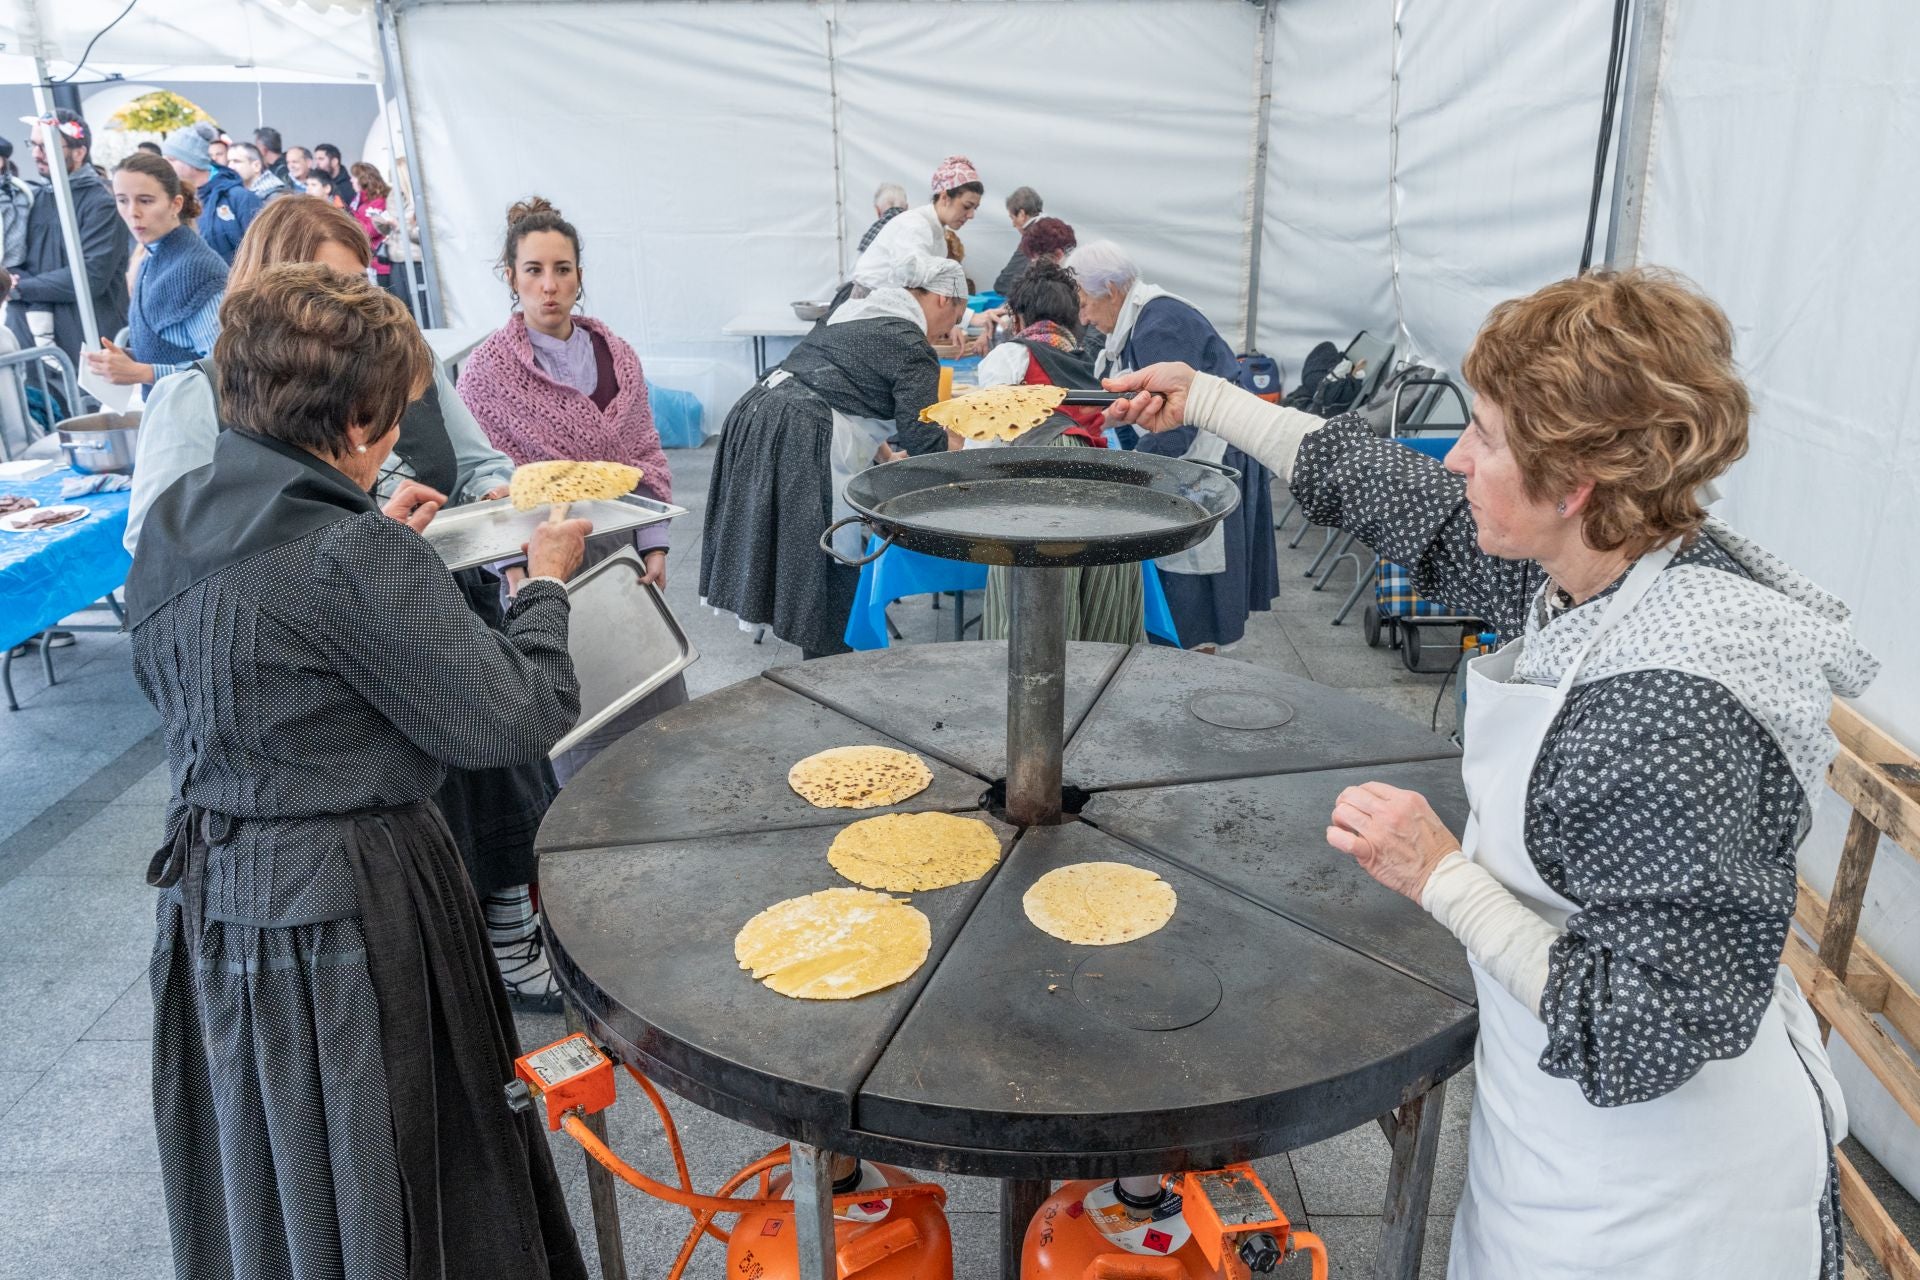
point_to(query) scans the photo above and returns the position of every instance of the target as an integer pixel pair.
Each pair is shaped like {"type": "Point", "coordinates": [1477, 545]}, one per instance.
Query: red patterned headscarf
{"type": "Point", "coordinates": [954, 171]}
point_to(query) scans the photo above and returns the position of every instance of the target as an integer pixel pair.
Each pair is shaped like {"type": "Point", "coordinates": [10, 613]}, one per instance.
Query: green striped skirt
{"type": "Point", "coordinates": [1104, 603]}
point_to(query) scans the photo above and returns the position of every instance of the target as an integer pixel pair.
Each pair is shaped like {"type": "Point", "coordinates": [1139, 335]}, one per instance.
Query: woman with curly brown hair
{"type": "Point", "coordinates": [331, 1042]}
{"type": "Point", "coordinates": [1652, 1095]}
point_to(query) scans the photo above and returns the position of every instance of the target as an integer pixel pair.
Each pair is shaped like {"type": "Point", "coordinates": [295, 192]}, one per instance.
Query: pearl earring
{"type": "Point", "coordinates": [360, 448]}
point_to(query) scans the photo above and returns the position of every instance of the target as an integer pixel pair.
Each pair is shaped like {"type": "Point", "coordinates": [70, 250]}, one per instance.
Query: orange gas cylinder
{"type": "Point", "coordinates": [877, 1239]}
{"type": "Point", "coordinates": [1220, 1225]}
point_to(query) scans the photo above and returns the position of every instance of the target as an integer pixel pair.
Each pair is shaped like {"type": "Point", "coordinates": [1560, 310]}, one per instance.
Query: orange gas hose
{"type": "Point", "coordinates": [577, 1129]}
{"type": "Point", "coordinates": [703, 1222]}
{"type": "Point", "coordinates": [1316, 1251]}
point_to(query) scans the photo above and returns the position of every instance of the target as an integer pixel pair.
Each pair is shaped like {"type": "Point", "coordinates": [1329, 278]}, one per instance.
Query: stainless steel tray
{"type": "Point", "coordinates": [482, 532]}
{"type": "Point", "coordinates": [624, 640]}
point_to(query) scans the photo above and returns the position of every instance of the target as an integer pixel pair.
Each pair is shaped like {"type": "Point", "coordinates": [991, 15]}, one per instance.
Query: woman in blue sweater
{"type": "Point", "coordinates": [176, 295]}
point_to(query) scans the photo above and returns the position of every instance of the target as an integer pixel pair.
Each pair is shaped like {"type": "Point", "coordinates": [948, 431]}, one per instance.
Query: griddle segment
{"type": "Point", "coordinates": [1264, 838]}
{"type": "Point", "coordinates": [996, 1061]}
{"type": "Point", "coordinates": [719, 765]}
{"type": "Point", "coordinates": [944, 699]}
{"type": "Point", "coordinates": [654, 926]}
{"type": "Point", "coordinates": [1143, 732]}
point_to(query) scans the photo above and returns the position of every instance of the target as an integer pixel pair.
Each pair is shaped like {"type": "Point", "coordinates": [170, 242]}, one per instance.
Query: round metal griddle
{"type": "Point", "coordinates": [1289, 999]}
{"type": "Point", "coordinates": [1044, 508]}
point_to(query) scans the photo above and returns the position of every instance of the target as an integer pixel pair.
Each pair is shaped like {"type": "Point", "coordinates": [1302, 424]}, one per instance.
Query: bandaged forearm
{"type": "Point", "coordinates": [1270, 433]}
{"type": "Point", "coordinates": [1507, 939]}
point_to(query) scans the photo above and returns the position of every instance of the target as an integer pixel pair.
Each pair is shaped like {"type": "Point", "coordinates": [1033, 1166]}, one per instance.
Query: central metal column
{"type": "Point", "coordinates": [1036, 694]}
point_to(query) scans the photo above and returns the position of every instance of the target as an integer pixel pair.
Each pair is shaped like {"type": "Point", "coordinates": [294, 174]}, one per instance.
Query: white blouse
{"type": "Point", "coordinates": [918, 231]}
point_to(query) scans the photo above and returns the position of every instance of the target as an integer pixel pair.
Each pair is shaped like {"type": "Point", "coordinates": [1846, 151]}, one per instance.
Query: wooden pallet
{"type": "Point", "coordinates": [1849, 986]}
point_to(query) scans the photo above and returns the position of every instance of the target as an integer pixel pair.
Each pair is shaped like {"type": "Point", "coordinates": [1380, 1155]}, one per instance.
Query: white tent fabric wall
{"type": "Point", "coordinates": [705, 186]}
{"type": "Point", "coordinates": [1325, 270]}
{"type": "Point", "coordinates": [691, 145]}
{"type": "Point", "coordinates": [1780, 184]}
{"type": "Point", "coordinates": [1133, 118]}
{"type": "Point", "coordinates": [1499, 114]}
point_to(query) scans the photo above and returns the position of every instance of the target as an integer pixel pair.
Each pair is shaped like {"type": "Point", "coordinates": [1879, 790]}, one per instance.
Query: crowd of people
{"type": "Point", "coordinates": [196, 178]}
{"type": "Point", "coordinates": [359, 741]}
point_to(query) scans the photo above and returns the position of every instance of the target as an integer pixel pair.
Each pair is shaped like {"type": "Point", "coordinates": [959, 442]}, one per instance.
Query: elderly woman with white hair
{"type": "Point", "coordinates": [794, 440]}
{"type": "Point", "coordinates": [1212, 587]}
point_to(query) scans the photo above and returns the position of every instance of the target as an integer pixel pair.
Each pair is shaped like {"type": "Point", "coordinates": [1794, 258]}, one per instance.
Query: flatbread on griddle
{"type": "Point", "coordinates": [834, 945]}
{"type": "Point", "coordinates": [1099, 903]}
{"type": "Point", "coordinates": [907, 852]}
{"type": "Point", "coordinates": [537, 484]}
{"type": "Point", "coordinates": [996, 413]}
{"type": "Point", "coordinates": [859, 777]}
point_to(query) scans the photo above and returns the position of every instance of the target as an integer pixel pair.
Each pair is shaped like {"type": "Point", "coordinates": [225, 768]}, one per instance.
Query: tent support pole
{"type": "Point", "coordinates": [431, 303]}
{"type": "Point", "coordinates": [63, 200]}
{"type": "Point", "coordinates": [1257, 216]}
{"type": "Point", "coordinates": [839, 159]}
{"type": "Point", "coordinates": [1633, 157]}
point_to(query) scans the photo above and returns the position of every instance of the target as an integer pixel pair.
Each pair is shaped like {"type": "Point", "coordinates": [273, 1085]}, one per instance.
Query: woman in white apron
{"type": "Point", "coordinates": [794, 440]}
{"type": "Point", "coordinates": [1213, 587]}
{"type": "Point", "coordinates": [1652, 1096]}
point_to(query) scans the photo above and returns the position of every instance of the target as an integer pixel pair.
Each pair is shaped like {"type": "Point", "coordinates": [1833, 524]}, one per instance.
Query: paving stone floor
{"type": "Point", "coordinates": [82, 795]}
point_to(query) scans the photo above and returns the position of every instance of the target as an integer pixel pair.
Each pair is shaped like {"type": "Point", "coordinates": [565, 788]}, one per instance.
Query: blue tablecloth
{"type": "Point", "coordinates": [899, 573]}
{"type": "Point", "coordinates": [47, 575]}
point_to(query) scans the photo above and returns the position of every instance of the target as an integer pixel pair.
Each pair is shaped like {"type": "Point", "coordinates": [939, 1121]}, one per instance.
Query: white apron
{"type": "Point", "coordinates": [855, 441]}
{"type": "Point", "coordinates": [1722, 1177]}
{"type": "Point", "coordinates": [1210, 554]}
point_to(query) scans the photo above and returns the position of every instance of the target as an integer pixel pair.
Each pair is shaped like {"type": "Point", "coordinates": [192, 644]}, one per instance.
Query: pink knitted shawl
{"type": "Point", "coordinates": [531, 418]}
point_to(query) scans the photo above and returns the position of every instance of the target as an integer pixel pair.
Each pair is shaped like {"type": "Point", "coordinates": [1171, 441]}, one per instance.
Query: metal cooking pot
{"type": "Point", "coordinates": [100, 443]}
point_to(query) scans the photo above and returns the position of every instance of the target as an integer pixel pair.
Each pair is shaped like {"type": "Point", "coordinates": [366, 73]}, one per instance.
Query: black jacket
{"type": "Point", "coordinates": [45, 279]}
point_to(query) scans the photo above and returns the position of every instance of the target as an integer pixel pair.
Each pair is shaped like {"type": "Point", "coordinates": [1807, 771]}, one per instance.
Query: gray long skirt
{"type": "Point", "coordinates": [331, 1047]}
{"type": "Point", "coordinates": [770, 499]}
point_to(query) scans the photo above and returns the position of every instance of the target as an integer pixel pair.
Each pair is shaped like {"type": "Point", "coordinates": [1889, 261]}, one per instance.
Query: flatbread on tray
{"type": "Point", "coordinates": [859, 777]}
{"type": "Point", "coordinates": [996, 413]}
{"type": "Point", "coordinates": [834, 945]}
{"type": "Point", "coordinates": [907, 852]}
{"type": "Point", "coordinates": [536, 484]}
{"type": "Point", "coordinates": [1099, 903]}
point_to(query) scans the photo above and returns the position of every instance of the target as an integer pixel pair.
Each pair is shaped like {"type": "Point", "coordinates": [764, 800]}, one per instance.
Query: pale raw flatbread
{"type": "Point", "coordinates": [834, 945]}
{"type": "Point", "coordinates": [906, 852]}
{"type": "Point", "coordinates": [1099, 903]}
{"type": "Point", "coordinates": [996, 413]}
{"type": "Point", "coordinates": [535, 484]}
{"type": "Point", "coordinates": [859, 777]}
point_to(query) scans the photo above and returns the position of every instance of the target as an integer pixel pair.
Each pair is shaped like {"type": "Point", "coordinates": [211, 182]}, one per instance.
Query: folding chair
{"type": "Point", "coordinates": [1377, 354]}
{"type": "Point", "coordinates": [1432, 390]}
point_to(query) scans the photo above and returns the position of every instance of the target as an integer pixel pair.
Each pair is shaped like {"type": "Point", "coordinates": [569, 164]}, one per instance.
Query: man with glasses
{"type": "Point", "coordinates": [44, 281]}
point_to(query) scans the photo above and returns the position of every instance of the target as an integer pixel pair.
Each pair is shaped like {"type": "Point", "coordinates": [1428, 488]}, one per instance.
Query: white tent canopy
{"type": "Point", "coordinates": [190, 39]}
{"type": "Point", "coordinates": [1422, 161]}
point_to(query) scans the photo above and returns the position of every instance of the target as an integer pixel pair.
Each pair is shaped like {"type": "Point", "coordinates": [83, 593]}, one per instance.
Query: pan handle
{"type": "Point", "coordinates": [1095, 399]}
{"type": "Point", "coordinates": [826, 544]}
{"type": "Point", "coordinates": [1229, 472]}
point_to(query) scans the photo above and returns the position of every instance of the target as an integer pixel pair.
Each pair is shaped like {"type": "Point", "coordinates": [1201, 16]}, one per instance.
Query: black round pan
{"type": "Point", "coordinates": [1051, 508]}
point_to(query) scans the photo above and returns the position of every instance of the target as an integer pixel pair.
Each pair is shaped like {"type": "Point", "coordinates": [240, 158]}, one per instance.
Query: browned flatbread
{"type": "Point", "coordinates": [536, 484]}
{"type": "Point", "coordinates": [996, 413]}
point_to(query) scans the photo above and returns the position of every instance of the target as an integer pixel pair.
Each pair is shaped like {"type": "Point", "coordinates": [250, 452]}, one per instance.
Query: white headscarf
{"type": "Point", "coordinates": [936, 275]}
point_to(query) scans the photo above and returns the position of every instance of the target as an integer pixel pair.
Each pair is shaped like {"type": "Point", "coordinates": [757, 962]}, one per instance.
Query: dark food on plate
{"type": "Point", "coordinates": [51, 517]}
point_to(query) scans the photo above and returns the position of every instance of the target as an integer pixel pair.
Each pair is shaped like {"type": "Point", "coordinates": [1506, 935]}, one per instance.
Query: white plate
{"type": "Point", "coordinates": [14, 523]}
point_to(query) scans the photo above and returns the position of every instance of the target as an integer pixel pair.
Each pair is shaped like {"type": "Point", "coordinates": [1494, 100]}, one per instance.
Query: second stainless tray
{"type": "Point", "coordinates": [624, 641]}
{"type": "Point", "coordinates": [483, 532]}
